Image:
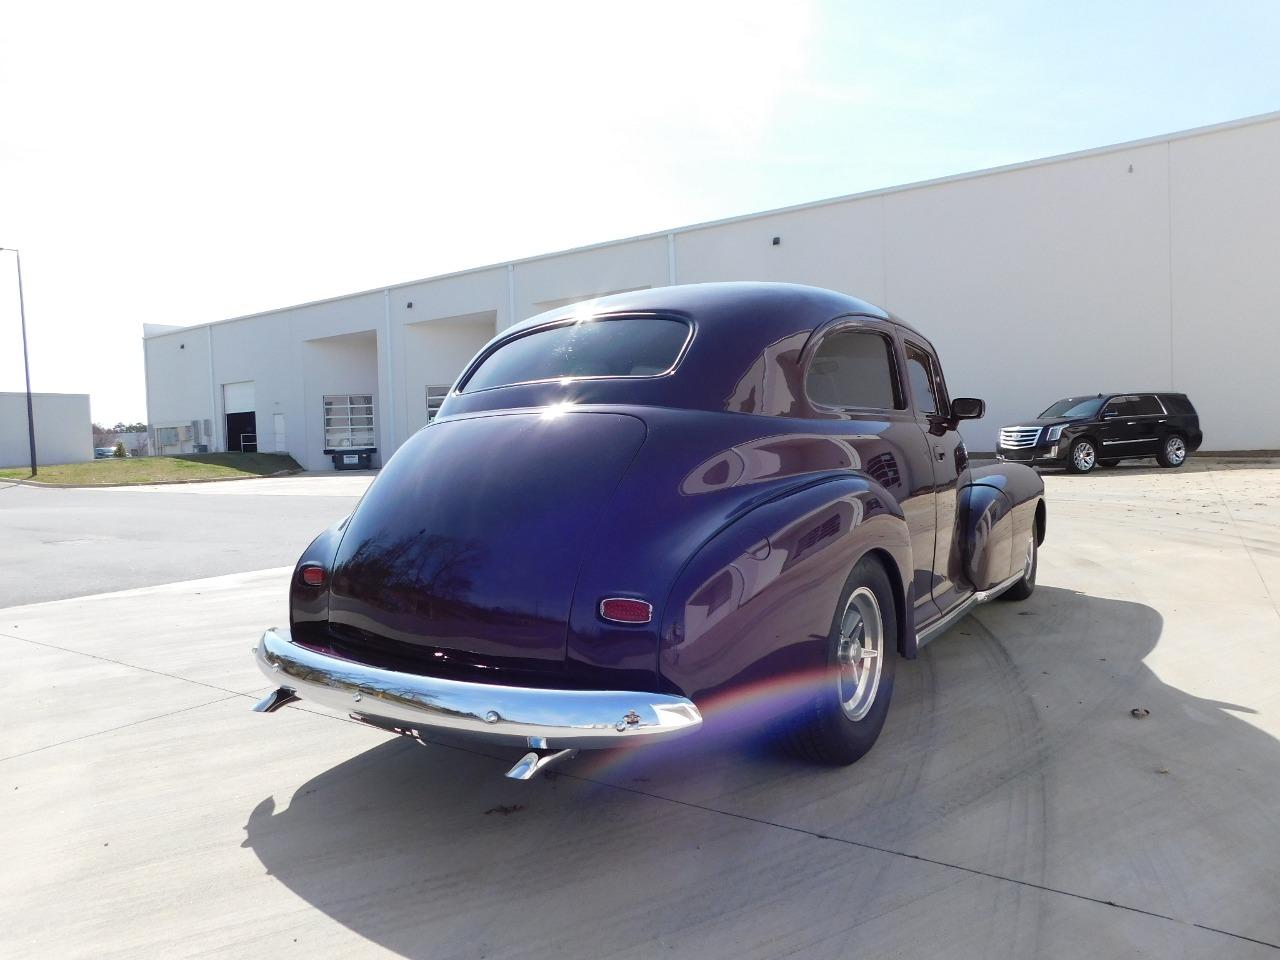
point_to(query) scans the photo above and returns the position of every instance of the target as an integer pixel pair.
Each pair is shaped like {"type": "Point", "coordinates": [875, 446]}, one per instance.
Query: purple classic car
{"type": "Point", "coordinates": [642, 511]}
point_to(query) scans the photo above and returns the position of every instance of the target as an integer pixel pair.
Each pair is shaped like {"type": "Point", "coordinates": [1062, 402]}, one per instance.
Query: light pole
{"type": "Point", "coordinates": [26, 365]}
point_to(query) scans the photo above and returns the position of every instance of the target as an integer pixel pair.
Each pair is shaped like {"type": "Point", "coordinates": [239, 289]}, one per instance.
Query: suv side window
{"type": "Point", "coordinates": [1134, 406]}
{"type": "Point", "coordinates": [1119, 407]}
{"type": "Point", "coordinates": [1147, 406]}
{"type": "Point", "coordinates": [924, 380]}
{"type": "Point", "coordinates": [854, 368]}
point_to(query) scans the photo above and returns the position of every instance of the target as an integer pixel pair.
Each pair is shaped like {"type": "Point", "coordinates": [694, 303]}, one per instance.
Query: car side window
{"type": "Point", "coordinates": [854, 368]}
{"type": "Point", "coordinates": [924, 381]}
{"type": "Point", "coordinates": [1134, 406]}
{"type": "Point", "coordinates": [1118, 407]}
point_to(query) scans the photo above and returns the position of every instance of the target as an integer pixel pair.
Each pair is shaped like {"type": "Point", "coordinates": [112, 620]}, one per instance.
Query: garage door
{"type": "Point", "coordinates": [238, 397]}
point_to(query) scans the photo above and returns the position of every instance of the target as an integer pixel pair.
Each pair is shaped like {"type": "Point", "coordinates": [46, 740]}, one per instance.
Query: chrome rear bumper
{"type": "Point", "coordinates": [519, 716]}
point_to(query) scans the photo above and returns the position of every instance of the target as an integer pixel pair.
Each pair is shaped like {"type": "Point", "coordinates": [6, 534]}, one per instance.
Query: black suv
{"type": "Point", "coordinates": [1082, 432]}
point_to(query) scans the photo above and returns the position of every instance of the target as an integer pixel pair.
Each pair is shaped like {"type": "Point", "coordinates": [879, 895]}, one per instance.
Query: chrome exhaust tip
{"type": "Point", "coordinates": [533, 763]}
{"type": "Point", "coordinates": [274, 700]}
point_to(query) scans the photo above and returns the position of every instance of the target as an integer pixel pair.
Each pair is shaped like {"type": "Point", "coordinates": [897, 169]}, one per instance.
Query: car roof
{"type": "Point", "coordinates": [791, 306]}
{"type": "Point", "coordinates": [741, 329]}
{"type": "Point", "coordinates": [1107, 394]}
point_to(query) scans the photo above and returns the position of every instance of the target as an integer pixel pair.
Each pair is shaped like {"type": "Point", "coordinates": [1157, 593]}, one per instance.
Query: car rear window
{"type": "Point", "coordinates": [1177, 403]}
{"type": "Point", "coordinates": [606, 347]}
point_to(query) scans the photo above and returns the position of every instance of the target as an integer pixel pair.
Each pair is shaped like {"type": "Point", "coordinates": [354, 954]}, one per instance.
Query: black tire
{"type": "Point", "coordinates": [824, 730]}
{"type": "Point", "coordinates": [1027, 585]}
{"type": "Point", "coordinates": [1173, 452]}
{"type": "Point", "coordinates": [1109, 462]}
{"type": "Point", "coordinates": [1083, 456]}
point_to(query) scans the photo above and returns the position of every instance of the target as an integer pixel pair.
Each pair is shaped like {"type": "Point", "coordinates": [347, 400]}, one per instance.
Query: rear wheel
{"type": "Point", "coordinates": [1083, 457]}
{"type": "Point", "coordinates": [845, 715]}
{"type": "Point", "coordinates": [1174, 451]}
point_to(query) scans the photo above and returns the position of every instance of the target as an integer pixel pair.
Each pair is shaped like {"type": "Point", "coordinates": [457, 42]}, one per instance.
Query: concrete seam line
{"type": "Point", "coordinates": [853, 843]}
{"type": "Point", "coordinates": [123, 726]}
{"type": "Point", "coordinates": [923, 859]}
{"type": "Point", "coordinates": [42, 485]}
{"type": "Point", "coordinates": [168, 585]}
{"type": "Point", "coordinates": [1243, 542]}
{"type": "Point", "coordinates": [122, 663]}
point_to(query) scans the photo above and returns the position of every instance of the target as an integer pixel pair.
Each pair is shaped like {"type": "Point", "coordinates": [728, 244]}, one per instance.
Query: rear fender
{"type": "Point", "coordinates": [755, 603]}
{"type": "Point", "coordinates": [308, 605]}
{"type": "Point", "coordinates": [988, 535]}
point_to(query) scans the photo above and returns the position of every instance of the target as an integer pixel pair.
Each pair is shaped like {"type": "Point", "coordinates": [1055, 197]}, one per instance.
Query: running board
{"type": "Point", "coordinates": [952, 616]}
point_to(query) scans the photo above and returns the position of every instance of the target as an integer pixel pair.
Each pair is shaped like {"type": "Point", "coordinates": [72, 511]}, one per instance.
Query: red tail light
{"type": "Point", "coordinates": [625, 610]}
{"type": "Point", "coordinates": [313, 575]}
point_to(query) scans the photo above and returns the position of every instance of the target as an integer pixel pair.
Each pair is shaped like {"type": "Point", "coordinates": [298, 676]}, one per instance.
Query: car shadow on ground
{"type": "Point", "coordinates": [1010, 751]}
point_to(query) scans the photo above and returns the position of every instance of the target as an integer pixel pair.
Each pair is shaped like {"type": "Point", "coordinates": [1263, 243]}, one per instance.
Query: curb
{"type": "Point", "coordinates": [143, 483]}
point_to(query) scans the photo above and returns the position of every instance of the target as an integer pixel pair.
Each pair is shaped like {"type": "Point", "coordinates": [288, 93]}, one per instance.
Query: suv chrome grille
{"type": "Point", "coordinates": [1018, 438]}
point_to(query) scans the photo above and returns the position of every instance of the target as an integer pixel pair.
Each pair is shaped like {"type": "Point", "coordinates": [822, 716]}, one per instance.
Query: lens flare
{"type": "Point", "coordinates": [556, 410]}
{"type": "Point", "coordinates": [737, 717]}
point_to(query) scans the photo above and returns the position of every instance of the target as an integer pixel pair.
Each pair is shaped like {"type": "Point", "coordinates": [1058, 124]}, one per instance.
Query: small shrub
{"type": "Point", "coordinates": [120, 450]}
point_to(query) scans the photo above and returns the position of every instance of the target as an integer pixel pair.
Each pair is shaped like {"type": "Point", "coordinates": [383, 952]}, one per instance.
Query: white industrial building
{"type": "Point", "coordinates": [64, 432]}
{"type": "Point", "coordinates": [1152, 265]}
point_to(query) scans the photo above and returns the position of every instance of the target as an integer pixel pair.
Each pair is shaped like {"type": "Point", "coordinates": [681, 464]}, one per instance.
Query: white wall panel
{"type": "Point", "coordinates": [839, 246]}
{"type": "Point", "coordinates": [178, 381]}
{"type": "Point", "coordinates": [1225, 209]}
{"type": "Point", "coordinates": [548, 281]}
{"type": "Point", "coordinates": [63, 431]}
{"type": "Point", "coordinates": [1037, 283]}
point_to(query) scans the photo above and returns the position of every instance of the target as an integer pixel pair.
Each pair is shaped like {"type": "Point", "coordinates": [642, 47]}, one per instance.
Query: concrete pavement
{"type": "Point", "coordinates": [66, 542]}
{"type": "Point", "coordinates": [1013, 807]}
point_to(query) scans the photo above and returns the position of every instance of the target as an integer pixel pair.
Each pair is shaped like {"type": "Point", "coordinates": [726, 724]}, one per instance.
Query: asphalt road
{"type": "Point", "coordinates": [59, 543]}
{"type": "Point", "coordinates": [1013, 808]}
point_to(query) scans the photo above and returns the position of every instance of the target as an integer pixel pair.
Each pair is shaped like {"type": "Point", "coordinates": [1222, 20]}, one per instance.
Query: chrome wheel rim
{"type": "Point", "coordinates": [1175, 450]}
{"type": "Point", "coordinates": [1084, 456]}
{"type": "Point", "coordinates": [1031, 559]}
{"type": "Point", "coordinates": [860, 653]}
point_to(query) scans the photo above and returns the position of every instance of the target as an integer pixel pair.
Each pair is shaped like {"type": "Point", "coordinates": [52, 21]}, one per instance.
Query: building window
{"type": "Point", "coordinates": [348, 422]}
{"type": "Point", "coordinates": [435, 396]}
{"type": "Point", "coordinates": [166, 436]}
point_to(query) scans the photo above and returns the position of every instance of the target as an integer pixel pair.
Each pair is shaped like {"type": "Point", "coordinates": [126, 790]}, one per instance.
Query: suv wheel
{"type": "Point", "coordinates": [1083, 457]}
{"type": "Point", "coordinates": [1174, 451]}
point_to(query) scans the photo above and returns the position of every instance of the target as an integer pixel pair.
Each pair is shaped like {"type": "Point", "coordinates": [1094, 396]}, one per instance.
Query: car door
{"type": "Point", "coordinates": [949, 460]}
{"type": "Point", "coordinates": [1150, 424]}
{"type": "Point", "coordinates": [1120, 432]}
{"type": "Point", "coordinates": [856, 374]}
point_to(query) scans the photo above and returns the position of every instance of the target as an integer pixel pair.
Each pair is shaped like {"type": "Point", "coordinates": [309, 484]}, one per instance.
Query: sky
{"type": "Point", "coordinates": [180, 163]}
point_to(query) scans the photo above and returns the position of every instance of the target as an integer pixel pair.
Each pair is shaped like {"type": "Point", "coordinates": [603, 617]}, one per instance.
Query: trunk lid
{"type": "Point", "coordinates": [466, 549]}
